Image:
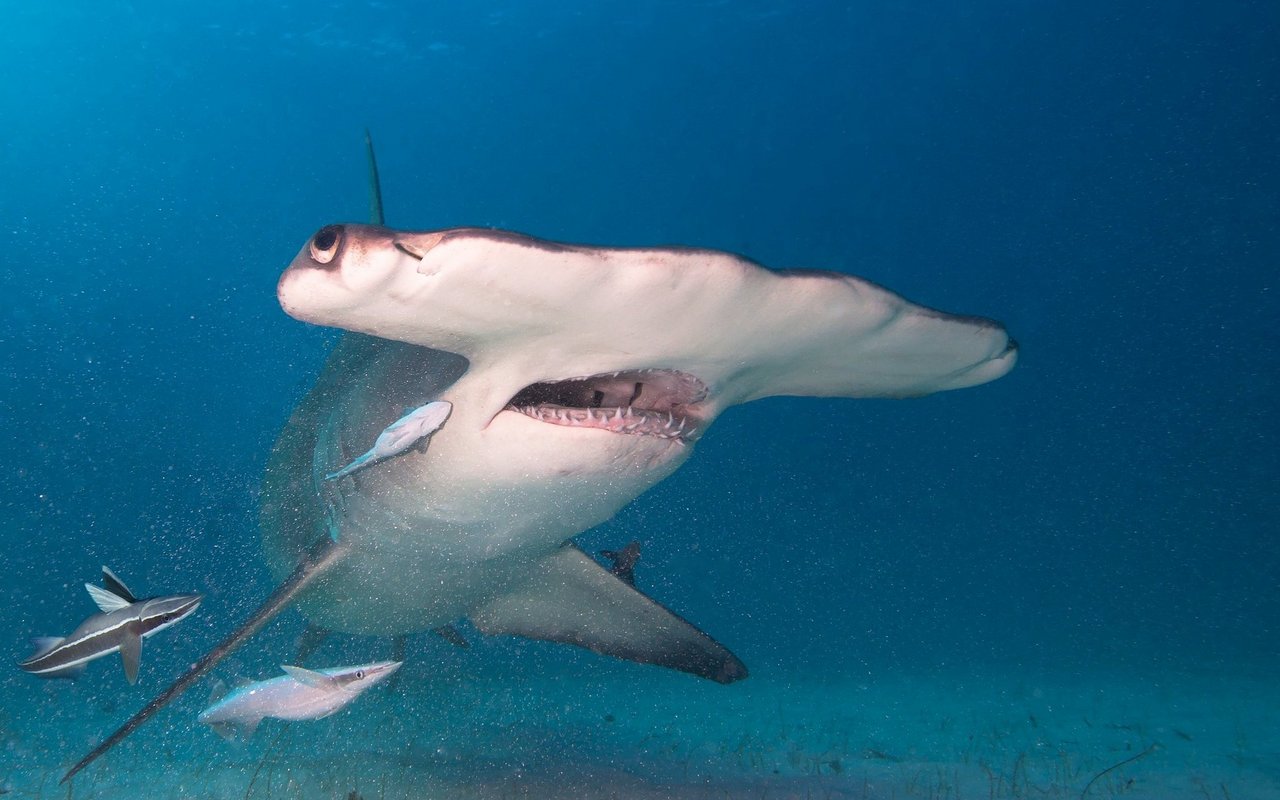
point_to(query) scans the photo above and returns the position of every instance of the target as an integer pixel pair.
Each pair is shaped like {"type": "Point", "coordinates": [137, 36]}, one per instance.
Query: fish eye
{"type": "Point", "coordinates": [359, 674]}
{"type": "Point", "coordinates": [324, 245]}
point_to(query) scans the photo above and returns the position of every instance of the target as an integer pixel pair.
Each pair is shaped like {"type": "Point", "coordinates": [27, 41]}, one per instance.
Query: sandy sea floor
{"type": "Point", "coordinates": [631, 732]}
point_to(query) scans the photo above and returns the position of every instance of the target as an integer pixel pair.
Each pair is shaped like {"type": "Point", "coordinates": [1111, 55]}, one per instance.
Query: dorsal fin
{"type": "Point", "coordinates": [107, 601]}
{"type": "Point", "coordinates": [116, 586]}
{"type": "Point", "coordinates": [375, 186]}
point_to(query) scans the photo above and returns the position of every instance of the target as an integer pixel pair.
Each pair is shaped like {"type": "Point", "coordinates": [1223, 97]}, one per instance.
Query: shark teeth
{"type": "Point", "coordinates": [662, 403]}
{"type": "Point", "coordinates": [616, 420]}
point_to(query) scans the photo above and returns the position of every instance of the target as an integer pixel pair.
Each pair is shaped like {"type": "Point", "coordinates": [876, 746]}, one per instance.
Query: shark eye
{"type": "Point", "coordinates": [359, 674]}
{"type": "Point", "coordinates": [324, 245]}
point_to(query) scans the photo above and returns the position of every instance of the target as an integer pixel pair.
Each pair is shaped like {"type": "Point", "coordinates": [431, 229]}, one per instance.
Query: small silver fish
{"type": "Point", "coordinates": [400, 435]}
{"type": "Point", "coordinates": [122, 625]}
{"type": "Point", "coordinates": [300, 694]}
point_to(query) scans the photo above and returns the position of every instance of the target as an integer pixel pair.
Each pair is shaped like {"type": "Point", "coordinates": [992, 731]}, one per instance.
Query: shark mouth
{"type": "Point", "coordinates": [646, 402]}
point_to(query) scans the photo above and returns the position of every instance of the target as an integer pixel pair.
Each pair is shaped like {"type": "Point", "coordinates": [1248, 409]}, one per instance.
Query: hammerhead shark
{"type": "Point", "coordinates": [579, 377]}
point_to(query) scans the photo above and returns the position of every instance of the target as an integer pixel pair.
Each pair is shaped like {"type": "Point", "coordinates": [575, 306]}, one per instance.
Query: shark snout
{"type": "Point", "coordinates": [990, 368]}
{"type": "Point", "coordinates": [1002, 362]}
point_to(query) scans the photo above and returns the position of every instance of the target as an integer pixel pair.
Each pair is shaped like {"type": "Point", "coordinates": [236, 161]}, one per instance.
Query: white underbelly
{"type": "Point", "coordinates": [403, 575]}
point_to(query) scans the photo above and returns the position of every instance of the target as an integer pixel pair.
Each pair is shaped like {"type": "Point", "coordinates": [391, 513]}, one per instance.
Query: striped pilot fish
{"type": "Point", "coordinates": [299, 694]}
{"type": "Point", "coordinates": [124, 622]}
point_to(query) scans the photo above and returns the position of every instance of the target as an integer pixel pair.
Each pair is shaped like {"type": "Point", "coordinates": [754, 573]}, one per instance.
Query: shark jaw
{"type": "Point", "coordinates": [647, 402]}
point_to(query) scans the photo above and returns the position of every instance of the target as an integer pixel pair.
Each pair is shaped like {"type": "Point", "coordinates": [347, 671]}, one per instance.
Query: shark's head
{"type": "Point", "coordinates": [560, 361]}
{"type": "Point", "coordinates": [605, 364]}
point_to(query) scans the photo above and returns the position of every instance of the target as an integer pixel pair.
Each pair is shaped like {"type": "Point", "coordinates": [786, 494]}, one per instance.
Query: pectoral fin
{"type": "Point", "coordinates": [131, 653]}
{"type": "Point", "coordinates": [217, 692]}
{"type": "Point", "coordinates": [572, 599]}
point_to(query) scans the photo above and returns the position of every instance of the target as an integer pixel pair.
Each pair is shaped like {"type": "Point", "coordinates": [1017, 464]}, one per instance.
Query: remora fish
{"type": "Point", "coordinates": [399, 436]}
{"type": "Point", "coordinates": [124, 622]}
{"type": "Point", "coordinates": [581, 377]}
{"type": "Point", "coordinates": [300, 694]}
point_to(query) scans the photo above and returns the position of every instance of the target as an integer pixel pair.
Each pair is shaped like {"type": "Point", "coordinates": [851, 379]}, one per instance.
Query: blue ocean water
{"type": "Point", "coordinates": [1102, 178]}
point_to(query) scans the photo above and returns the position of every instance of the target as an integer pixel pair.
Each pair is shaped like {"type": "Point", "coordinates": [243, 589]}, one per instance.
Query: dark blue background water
{"type": "Point", "coordinates": [1102, 177]}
